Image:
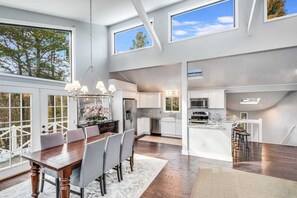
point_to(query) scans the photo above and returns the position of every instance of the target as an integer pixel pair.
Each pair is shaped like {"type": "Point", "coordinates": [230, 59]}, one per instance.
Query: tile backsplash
{"type": "Point", "coordinates": [157, 113]}
{"type": "Point", "coordinates": [214, 114]}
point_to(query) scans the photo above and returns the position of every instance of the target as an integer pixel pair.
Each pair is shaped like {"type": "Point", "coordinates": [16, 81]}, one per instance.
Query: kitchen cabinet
{"type": "Point", "coordinates": [143, 126]}
{"type": "Point", "coordinates": [216, 97]}
{"type": "Point", "coordinates": [149, 100]}
{"type": "Point", "coordinates": [171, 127]}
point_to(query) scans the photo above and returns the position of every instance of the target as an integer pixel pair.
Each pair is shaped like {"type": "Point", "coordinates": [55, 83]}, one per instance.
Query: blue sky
{"type": "Point", "coordinates": [291, 6]}
{"type": "Point", "coordinates": [203, 21]}
{"type": "Point", "coordinates": [123, 40]}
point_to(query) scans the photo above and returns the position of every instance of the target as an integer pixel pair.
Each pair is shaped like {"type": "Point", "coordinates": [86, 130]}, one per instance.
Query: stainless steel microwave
{"type": "Point", "coordinates": [200, 103]}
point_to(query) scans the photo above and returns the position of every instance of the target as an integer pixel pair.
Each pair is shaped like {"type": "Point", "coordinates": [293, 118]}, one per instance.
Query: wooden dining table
{"type": "Point", "coordinates": [62, 159]}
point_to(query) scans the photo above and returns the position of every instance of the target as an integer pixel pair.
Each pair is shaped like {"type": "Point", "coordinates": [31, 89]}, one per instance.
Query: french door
{"type": "Point", "coordinates": [25, 112]}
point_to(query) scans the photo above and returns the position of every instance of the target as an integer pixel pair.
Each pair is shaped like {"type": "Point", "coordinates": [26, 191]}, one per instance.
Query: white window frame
{"type": "Point", "coordinates": [171, 96]}
{"type": "Point", "coordinates": [41, 25]}
{"type": "Point", "coordinates": [266, 20]}
{"type": "Point", "coordinates": [203, 4]}
{"type": "Point", "coordinates": [125, 28]}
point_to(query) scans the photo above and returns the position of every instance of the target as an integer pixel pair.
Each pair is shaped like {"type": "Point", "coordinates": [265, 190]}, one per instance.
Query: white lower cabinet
{"type": "Point", "coordinates": [143, 126]}
{"type": "Point", "coordinates": [171, 127]}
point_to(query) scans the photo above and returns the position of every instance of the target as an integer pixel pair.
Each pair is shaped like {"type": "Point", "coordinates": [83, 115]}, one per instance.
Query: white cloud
{"type": "Point", "coordinates": [179, 32]}
{"type": "Point", "coordinates": [177, 23]}
{"type": "Point", "coordinates": [211, 28]}
{"type": "Point", "coordinates": [225, 19]}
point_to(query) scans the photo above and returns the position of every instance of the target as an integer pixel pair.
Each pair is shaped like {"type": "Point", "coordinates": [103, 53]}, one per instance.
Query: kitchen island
{"type": "Point", "coordinates": [211, 141]}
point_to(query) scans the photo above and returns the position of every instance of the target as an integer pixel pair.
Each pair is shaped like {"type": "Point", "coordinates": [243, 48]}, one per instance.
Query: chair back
{"type": "Point", "coordinates": [51, 140]}
{"type": "Point", "coordinates": [92, 163]}
{"type": "Point", "coordinates": [75, 135]}
{"type": "Point", "coordinates": [92, 131]}
{"type": "Point", "coordinates": [112, 152]}
{"type": "Point", "coordinates": [127, 144]}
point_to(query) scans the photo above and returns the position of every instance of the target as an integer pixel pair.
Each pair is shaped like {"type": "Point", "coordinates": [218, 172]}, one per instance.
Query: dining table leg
{"type": "Point", "coordinates": [35, 168]}
{"type": "Point", "coordinates": [65, 182]}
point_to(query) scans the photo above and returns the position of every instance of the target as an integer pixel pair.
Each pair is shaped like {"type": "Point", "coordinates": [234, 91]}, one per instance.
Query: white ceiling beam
{"type": "Point", "coordinates": [146, 22]}
{"type": "Point", "coordinates": [251, 17]}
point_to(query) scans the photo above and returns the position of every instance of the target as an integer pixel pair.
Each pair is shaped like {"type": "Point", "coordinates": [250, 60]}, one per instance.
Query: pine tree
{"type": "Point", "coordinates": [139, 41]}
{"type": "Point", "coordinates": [276, 8]}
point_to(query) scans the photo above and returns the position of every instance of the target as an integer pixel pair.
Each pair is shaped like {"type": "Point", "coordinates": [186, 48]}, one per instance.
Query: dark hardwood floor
{"type": "Point", "coordinates": [178, 176]}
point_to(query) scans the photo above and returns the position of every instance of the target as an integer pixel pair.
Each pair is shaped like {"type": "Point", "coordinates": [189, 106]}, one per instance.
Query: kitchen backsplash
{"type": "Point", "coordinates": [156, 113]}
{"type": "Point", "coordinates": [215, 114]}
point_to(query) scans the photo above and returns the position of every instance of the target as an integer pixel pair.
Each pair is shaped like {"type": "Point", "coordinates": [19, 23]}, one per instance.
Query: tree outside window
{"type": "Point", "coordinates": [172, 104]}
{"type": "Point", "coordinates": [37, 52]}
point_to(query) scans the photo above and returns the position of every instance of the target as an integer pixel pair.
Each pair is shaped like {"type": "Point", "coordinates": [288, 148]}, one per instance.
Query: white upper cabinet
{"type": "Point", "coordinates": [149, 100]}
{"type": "Point", "coordinates": [216, 97]}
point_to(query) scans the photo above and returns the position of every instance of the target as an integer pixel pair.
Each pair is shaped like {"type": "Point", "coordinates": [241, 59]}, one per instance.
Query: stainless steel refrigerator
{"type": "Point", "coordinates": [130, 118]}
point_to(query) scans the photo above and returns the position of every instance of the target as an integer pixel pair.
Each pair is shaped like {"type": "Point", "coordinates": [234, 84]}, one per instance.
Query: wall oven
{"type": "Point", "coordinates": [200, 103]}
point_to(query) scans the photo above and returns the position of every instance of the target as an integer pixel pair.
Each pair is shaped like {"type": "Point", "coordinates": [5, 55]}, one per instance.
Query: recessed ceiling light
{"type": "Point", "coordinates": [253, 101]}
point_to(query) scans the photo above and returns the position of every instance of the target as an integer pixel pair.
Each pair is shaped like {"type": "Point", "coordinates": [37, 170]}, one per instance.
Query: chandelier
{"type": "Point", "coordinates": [75, 89]}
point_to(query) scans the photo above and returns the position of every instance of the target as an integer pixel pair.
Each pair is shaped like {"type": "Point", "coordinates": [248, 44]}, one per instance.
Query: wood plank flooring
{"type": "Point", "coordinates": [178, 176]}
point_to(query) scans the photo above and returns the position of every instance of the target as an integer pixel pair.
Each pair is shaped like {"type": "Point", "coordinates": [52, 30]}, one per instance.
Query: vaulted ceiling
{"type": "Point", "coordinates": [105, 12]}
{"type": "Point", "coordinates": [263, 68]}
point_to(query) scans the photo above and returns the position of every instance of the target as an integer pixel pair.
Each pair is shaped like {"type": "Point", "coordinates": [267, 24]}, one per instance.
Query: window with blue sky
{"type": "Point", "coordinates": [203, 20]}
{"type": "Point", "coordinates": [281, 8]}
{"type": "Point", "coordinates": [131, 39]}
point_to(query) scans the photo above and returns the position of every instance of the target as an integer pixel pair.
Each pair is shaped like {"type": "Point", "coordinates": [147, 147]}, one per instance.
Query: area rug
{"type": "Point", "coordinates": [229, 183]}
{"type": "Point", "coordinates": [164, 140]}
{"type": "Point", "coordinates": [133, 185]}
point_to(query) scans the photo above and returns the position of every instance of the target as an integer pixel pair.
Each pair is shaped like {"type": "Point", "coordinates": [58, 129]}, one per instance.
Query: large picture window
{"type": "Point", "coordinates": [36, 52]}
{"type": "Point", "coordinates": [278, 9]}
{"type": "Point", "coordinates": [203, 20]}
{"type": "Point", "coordinates": [131, 39]}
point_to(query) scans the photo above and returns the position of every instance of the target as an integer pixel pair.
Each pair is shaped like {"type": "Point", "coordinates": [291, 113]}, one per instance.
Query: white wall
{"type": "Point", "coordinates": [82, 42]}
{"type": "Point", "coordinates": [264, 36]}
{"type": "Point", "coordinates": [277, 120]}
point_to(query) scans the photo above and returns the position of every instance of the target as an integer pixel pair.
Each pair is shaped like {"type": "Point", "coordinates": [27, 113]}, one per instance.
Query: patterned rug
{"type": "Point", "coordinates": [133, 185]}
{"type": "Point", "coordinates": [229, 183]}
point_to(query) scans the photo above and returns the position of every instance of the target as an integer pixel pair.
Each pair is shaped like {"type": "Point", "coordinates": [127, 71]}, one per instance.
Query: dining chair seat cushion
{"type": "Point", "coordinates": [75, 135]}
{"type": "Point", "coordinates": [50, 172]}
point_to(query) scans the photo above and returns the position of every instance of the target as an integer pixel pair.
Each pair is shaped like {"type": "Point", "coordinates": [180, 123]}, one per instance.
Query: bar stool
{"type": "Point", "coordinates": [242, 136]}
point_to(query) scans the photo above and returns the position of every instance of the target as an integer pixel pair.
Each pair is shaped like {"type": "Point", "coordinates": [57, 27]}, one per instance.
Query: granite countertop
{"type": "Point", "coordinates": [205, 126]}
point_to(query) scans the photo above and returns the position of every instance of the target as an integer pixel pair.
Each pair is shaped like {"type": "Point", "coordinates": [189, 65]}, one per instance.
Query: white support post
{"type": "Point", "coordinates": [251, 17]}
{"type": "Point", "coordinates": [14, 144]}
{"type": "Point", "coordinates": [146, 22]}
{"type": "Point", "coordinates": [184, 105]}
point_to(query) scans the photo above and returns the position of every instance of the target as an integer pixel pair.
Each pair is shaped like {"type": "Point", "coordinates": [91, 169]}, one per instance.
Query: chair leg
{"type": "Point", "coordinates": [104, 183]}
{"type": "Point", "coordinates": [132, 162]}
{"type": "Point", "coordinates": [82, 193]}
{"type": "Point", "coordinates": [121, 171]}
{"type": "Point", "coordinates": [57, 188]}
{"type": "Point", "coordinates": [118, 173]}
{"type": "Point", "coordinates": [42, 182]}
{"type": "Point", "coordinates": [101, 185]}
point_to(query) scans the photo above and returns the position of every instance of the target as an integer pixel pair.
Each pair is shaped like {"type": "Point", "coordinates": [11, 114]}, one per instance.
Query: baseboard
{"type": "Point", "coordinates": [212, 156]}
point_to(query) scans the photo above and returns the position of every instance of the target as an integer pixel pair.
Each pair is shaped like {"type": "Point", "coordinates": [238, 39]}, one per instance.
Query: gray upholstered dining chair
{"type": "Point", "coordinates": [92, 131]}
{"type": "Point", "coordinates": [49, 141]}
{"type": "Point", "coordinates": [127, 149]}
{"type": "Point", "coordinates": [112, 156]}
{"type": "Point", "coordinates": [75, 135]}
{"type": "Point", "coordinates": [91, 167]}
